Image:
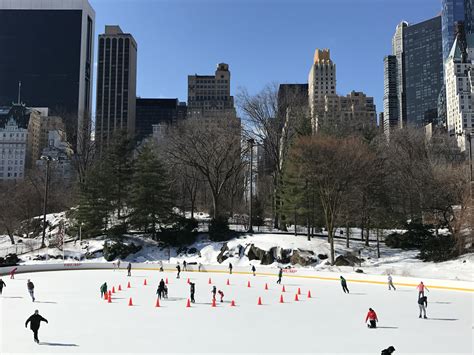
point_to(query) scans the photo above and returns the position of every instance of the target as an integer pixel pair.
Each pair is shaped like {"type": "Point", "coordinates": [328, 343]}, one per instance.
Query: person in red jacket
{"type": "Point", "coordinates": [421, 289]}
{"type": "Point", "coordinates": [12, 273]}
{"type": "Point", "coordinates": [372, 318]}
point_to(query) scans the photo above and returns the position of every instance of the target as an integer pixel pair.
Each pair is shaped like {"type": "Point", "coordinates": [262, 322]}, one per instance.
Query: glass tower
{"type": "Point", "coordinates": [453, 11]}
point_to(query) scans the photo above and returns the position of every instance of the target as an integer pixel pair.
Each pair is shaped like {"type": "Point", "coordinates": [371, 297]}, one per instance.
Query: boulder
{"type": "Point", "coordinates": [284, 255]}
{"type": "Point", "coordinates": [223, 255]}
{"type": "Point", "coordinates": [347, 260]}
{"type": "Point", "coordinates": [359, 271]}
{"type": "Point", "coordinates": [302, 257]}
{"type": "Point", "coordinates": [322, 256]}
{"type": "Point", "coordinates": [265, 257]}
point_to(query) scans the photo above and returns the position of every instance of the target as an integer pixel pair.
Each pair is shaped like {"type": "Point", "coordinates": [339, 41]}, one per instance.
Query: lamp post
{"type": "Point", "coordinates": [251, 143]}
{"type": "Point", "coordinates": [48, 159]}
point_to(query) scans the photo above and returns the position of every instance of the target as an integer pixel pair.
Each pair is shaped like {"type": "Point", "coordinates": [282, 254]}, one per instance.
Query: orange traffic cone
{"type": "Point", "coordinates": [188, 304]}
{"type": "Point", "coordinates": [259, 301]}
{"type": "Point", "coordinates": [296, 297]}
{"type": "Point", "coordinates": [299, 291]}
{"type": "Point", "coordinates": [266, 287]}
{"type": "Point", "coordinates": [109, 299]}
{"type": "Point", "coordinates": [106, 296]}
{"type": "Point", "coordinates": [130, 303]}
{"type": "Point", "coordinates": [110, 294]}
{"type": "Point", "coordinates": [144, 283]}
{"type": "Point", "coordinates": [309, 294]}
{"type": "Point", "coordinates": [128, 286]}
{"type": "Point", "coordinates": [283, 289]}
{"type": "Point", "coordinates": [210, 282]}
{"type": "Point", "coordinates": [157, 302]}
{"type": "Point", "coordinates": [166, 281]}
{"type": "Point", "coordinates": [213, 302]}
{"type": "Point", "coordinates": [232, 304]}
{"type": "Point", "coordinates": [248, 283]}
{"type": "Point", "coordinates": [281, 299]}
{"type": "Point", "coordinates": [228, 283]}
{"type": "Point", "coordinates": [120, 288]}
{"type": "Point", "coordinates": [113, 289]}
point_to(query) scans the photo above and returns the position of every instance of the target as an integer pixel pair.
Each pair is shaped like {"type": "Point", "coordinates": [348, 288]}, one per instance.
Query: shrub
{"type": "Point", "coordinates": [118, 249]}
{"type": "Point", "coordinates": [413, 238]}
{"type": "Point", "coordinates": [117, 230]}
{"type": "Point", "coordinates": [219, 229]}
{"type": "Point", "coordinates": [438, 248]}
{"type": "Point", "coordinates": [183, 232]}
{"type": "Point", "coordinates": [9, 260]}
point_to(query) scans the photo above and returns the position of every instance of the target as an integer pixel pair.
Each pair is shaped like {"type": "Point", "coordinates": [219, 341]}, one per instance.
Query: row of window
{"type": "Point", "coordinates": [10, 175]}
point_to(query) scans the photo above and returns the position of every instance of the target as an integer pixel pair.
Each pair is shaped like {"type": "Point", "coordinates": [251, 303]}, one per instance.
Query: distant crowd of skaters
{"type": "Point", "coordinates": [162, 292]}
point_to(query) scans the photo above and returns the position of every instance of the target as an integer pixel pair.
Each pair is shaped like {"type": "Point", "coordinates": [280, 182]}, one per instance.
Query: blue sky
{"type": "Point", "coordinates": [263, 41]}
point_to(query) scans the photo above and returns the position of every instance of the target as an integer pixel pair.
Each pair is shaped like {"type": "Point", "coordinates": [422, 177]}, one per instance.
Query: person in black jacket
{"type": "Point", "coordinates": [129, 269]}
{"type": "Point", "coordinates": [280, 274]}
{"type": "Point", "coordinates": [344, 285]}
{"type": "Point", "coordinates": [2, 285]}
{"type": "Point", "coordinates": [422, 304]}
{"type": "Point", "coordinates": [31, 289]}
{"type": "Point", "coordinates": [192, 290]}
{"type": "Point", "coordinates": [389, 351]}
{"type": "Point", "coordinates": [35, 321]}
{"type": "Point", "coordinates": [178, 267]}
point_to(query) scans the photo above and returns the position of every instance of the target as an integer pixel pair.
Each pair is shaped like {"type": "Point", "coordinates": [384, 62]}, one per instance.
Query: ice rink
{"type": "Point", "coordinates": [329, 322]}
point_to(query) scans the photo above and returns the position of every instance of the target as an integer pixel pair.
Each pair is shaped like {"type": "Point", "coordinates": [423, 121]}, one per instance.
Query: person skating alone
{"type": "Point", "coordinates": [199, 267]}
{"type": "Point", "coordinates": [253, 270]}
{"type": "Point", "coordinates": [12, 273]}
{"type": "Point", "coordinates": [185, 264]}
{"type": "Point", "coordinates": [280, 275]}
{"type": "Point", "coordinates": [118, 264]}
{"type": "Point", "coordinates": [103, 289]}
{"type": "Point", "coordinates": [161, 289]}
{"type": "Point", "coordinates": [423, 303]}
{"type": "Point", "coordinates": [390, 283]}
{"type": "Point", "coordinates": [179, 270]}
{"type": "Point", "coordinates": [214, 291]}
{"type": "Point", "coordinates": [161, 266]}
{"type": "Point", "coordinates": [31, 289]}
{"type": "Point", "coordinates": [230, 268]}
{"type": "Point", "coordinates": [421, 289]}
{"type": "Point", "coordinates": [389, 351]}
{"type": "Point", "coordinates": [129, 269]}
{"type": "Point", "coordinates": [372, 318]}
{"type": "Point", "coordinates": [221, 295]}
{"type": "Point", "coordinates": [344, 285]}
{"type": "Point", "coordinates": [192, 289]}
{"type": "Point", "coordinates": [2, 285]}
{"type": "Point", "coordinates": [35, 321]}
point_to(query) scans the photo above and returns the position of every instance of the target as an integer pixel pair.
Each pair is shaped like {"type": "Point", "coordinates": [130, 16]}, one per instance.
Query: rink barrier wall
{"type": "Point", "coordinates": [450, 285]}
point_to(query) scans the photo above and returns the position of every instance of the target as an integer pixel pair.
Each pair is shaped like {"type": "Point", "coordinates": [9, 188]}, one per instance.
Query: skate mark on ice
{"type": "Point", "coordinates": [357, 294]}
{"type": "Point", "coordinates": [442, 302]}
{"type": "Point", "coordinates": [12, 297]}
{"type": "Point", "coordinates": [387, 327]}
{"type": "Point", "coordinates": [56, 344]}
{"type": "Point", "coordinates": [446, 319]}
{"type": "Point", "coordinates": [46, 302]}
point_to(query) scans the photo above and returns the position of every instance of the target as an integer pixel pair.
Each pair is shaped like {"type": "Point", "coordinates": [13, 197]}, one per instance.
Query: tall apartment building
{"type": "Point", "coordinates": [39, 127]}
{"type": "Point", "coordinates": [459, 68]}
{"type": "Point", "coordinates": [150, 112]}
{"type": "Point", "coordinates": [326, 105]}
{"type": "Point", "coordinates": [116, 84]}
{"type": "Point", "coordinates": [390, 95]}
{"type": "Point", "coordinates": [209, 95]}
{"type": "Point", "coordinates": [469, 16]}
{"type": "Point", "coordinates": [452, 12]}
{"type": "Point", "coordinates": [49, 46]}
{"type": "Point", "coordinates": [13, 139]}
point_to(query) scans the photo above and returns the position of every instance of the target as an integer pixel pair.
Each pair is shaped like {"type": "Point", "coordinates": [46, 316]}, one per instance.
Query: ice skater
{"type": "Point", "coordinates": [221, 295]}
{"type": "Point", "coordinates": [185, 264]}
{"type": "Point", "coordinates": [35, 321]}
{"type": "Point", "coordinates": [280, 275]}
{"type": "Point", "coordinates": [12, 273]}
{"type": "Point", "coordinates": [161, 266]}
{"type": "Point", "coordinates": [372, 318]}
{"type": "Point", "coordinates": [344, 285]}
{"type": "Point", "coordinates": [2, 285]}
{"type": "Point", "coordinates": [421, 289]}
{"type": "Point", "coordinates": [103, 289]}
{"type": "Point", "coordinates": [129, 269]}
{"type": "Point", "coordinates": [389, 351]}
{"type": "Point", "coordinates": [253, 270]}
{"type": "Point", "coordinates": [214, 291]}
{"type": "Point", "coordinates": [161, 289]}
{"type": "Point", "coordinates": [390, 283]}
{"type": "Point", "coordinates": [118, 264]}
{"type": "Point", "coordinates": [422, 304]}
{"type": "Point", "coordinates": [31, 289]}
{"type": "Point", "coordinates": [230, 268]}
{"type": "Point", "coordinates": [199, 267]}
{"type": "Point", "coordinates": [192, 288]}
{"type": "Point", "coordinates": [178, 267]}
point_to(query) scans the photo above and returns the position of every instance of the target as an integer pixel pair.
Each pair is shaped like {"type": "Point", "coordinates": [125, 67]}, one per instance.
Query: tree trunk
{"type": "Point", "coordinates": [308, 231]}
{"type": "Point", "coordinates": [295, 221]}
{"type": "Point", "coordinates": [12, 239]}
{"type": "Point", "coordinates": [367, 234]}
{"type": "Point", "coordinates": [362, 231]}
{"type": "Point", "coordinates": [331, 244]}
{"type": "Point", "coordinates": [347, 235]}
{"type": "Point", "coordinates": [378, 243]}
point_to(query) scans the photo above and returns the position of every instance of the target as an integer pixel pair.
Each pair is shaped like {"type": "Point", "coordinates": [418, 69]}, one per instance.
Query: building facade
{"type": "Point", "coordinates": [13, 150]}
{"type": "Point", "coordinates": [459, 68]}
{"type": "Point", "coordinates": [116, 84]}
{"type": "Point", "coordinates": [209, 95]}
{"type": "Point", "coordinates": [469, 16]}
{"type": "Point", "coordinates": [390, 95]}
{"type": "Point", "coordinates": [452, 12]}
{"type": "Point", "coordinates": [58, 149]}
{"type": "Point", "coordinates": [59, 35]}
{"type": "Point", "coordinates": [150, 112]}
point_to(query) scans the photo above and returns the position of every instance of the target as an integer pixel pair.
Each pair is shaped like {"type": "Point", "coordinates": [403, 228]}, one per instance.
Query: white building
{"type": "Point", "coordinates": [13, 150]}
{"type": "Point", "coordinates": [459, 69]}
{"type": "Point", "coordinates": [58, 149]}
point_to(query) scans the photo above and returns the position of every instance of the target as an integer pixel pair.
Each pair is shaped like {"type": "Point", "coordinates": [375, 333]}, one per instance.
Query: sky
{"type": "Point", "coordinates": [263, 41]}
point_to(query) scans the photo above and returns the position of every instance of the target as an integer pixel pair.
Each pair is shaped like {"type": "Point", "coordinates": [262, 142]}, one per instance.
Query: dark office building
{"type": "Point", "coordinates": [390, 95]}
{"type": "Point", "coordinates": [116, 84]}
{"type": "Point", "coordinates": [48, 46]}
{"type": "Point", "coordinates": [469, 16]}
{"type": "Point", "coordinates": [453, 11]}
{"type": "Point", "coordinates": [150, 112]}
{"type": "Point", "coordinates": [423, 70]}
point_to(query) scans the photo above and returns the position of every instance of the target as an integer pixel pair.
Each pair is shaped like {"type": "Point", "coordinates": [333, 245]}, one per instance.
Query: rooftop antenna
{"type": "Point", "coordinates": [19, 92]}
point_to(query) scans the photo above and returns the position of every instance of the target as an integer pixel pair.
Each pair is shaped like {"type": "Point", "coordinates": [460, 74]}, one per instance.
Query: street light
{"type": "Point", "coordinates": [48, 159]}
{"type": "Point", "coordinates": [251, 142]}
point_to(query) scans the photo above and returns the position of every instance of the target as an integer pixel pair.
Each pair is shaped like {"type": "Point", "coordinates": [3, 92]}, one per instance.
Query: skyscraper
{"type": "Point", "coordinates": [116, 84]}
{"type": "Point", "coordinates": [48, 46]}
{"type": "Point", "coordinates": [397, 51]}
{"type": "Point", "coordinates": [390, 95]}
{"type": "Point", "coordinates": [209, 95]}
{"type": "Point", "coordinates": [452, 12]}
{"type": "Point", "coordinates": [469, 16]}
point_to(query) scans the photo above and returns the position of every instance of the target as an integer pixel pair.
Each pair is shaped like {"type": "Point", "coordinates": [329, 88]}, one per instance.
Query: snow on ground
{"type": "Point", "coordinates": [330, 322]}
{"type": "Point", "coordinates": [395, 261]}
